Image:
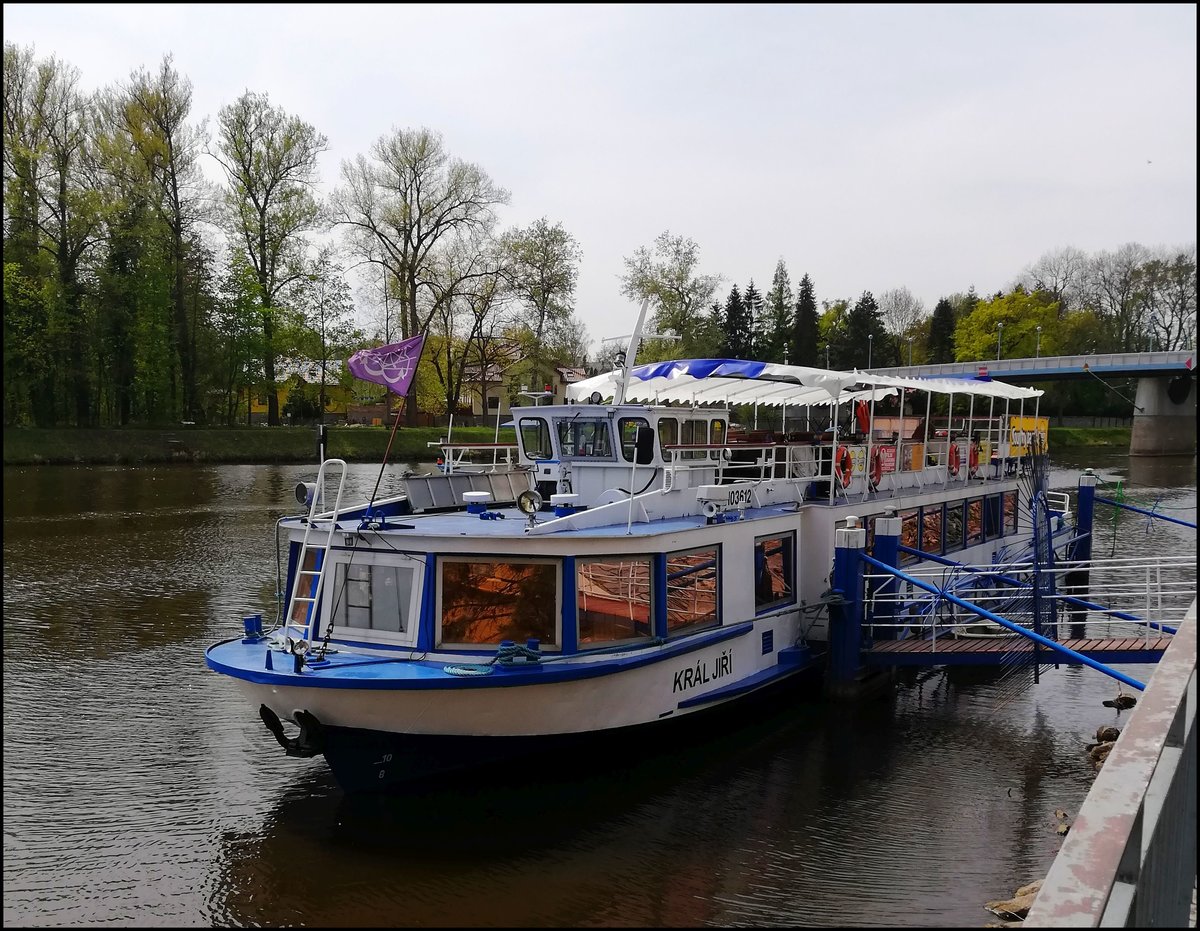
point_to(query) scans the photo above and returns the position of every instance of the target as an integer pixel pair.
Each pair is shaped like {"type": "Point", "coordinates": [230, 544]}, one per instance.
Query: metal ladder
{"type": "Point", "coordinates": [312, 580]}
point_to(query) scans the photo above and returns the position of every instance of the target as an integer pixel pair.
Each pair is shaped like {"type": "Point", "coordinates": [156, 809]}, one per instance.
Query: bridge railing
{"type": "Point", "coordinates": [1130, 857]}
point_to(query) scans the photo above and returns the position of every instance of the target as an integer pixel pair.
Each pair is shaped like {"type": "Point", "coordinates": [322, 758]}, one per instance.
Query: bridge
{"type": "Point", "coordinates": [1164, 418]}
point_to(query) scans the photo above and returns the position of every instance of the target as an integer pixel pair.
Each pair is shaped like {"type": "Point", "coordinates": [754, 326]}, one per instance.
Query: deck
{"type": "Point", "coordinates": [1001, 650]}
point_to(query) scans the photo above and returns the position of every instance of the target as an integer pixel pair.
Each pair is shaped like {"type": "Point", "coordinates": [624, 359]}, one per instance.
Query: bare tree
{"type": "Point", "coordinates": [1167, 285]}
{"type": "Point", "coordinates": [901, 311]}
{"type": "Point", "coordinates": [1061, 274]}
{"type": "Point", "coordinates": [1111, 286]}
{"type": "Point", "coordinates": [403, 205]}
{"type": "Point", "coordinates": [270, 161]}
{"type": "Point", "coordinates": [666, 274]}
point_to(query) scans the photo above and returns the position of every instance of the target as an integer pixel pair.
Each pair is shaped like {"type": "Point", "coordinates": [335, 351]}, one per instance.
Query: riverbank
{"type": "Point", "coordinates": [134, 446]}
{"type": "Point", "coordinates": [246, 445]}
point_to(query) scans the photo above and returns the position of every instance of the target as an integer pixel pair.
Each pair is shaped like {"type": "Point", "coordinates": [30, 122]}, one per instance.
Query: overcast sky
{"type": "Point", "coordinates": [873, 147]}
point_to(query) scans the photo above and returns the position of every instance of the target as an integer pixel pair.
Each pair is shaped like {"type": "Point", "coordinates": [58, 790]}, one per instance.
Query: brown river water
{"type": "Point", "coordinates": [139, 790]}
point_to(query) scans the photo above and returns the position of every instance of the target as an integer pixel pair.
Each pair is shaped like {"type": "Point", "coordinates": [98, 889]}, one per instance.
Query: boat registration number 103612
{"type": "Point", "coordinates": [739, 496]}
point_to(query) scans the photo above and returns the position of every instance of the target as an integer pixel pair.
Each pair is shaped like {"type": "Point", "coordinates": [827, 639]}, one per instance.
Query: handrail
{"type": "Point", "coordinates": [1130, 858]}
{"type": "Point", "coordinates": [1130, 507]}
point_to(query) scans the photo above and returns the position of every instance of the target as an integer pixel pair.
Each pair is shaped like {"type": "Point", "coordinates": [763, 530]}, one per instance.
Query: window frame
{"type": "Point", "coordinates": [342, 560]}
{"type": "Point", "coordinates": [439, 643]}
{"type": "Point", "coordinates": [651, 562]}
{"type": "Point", "coordinates": [789, 570]}
{"type": "Point", "coordinates": [693, 627]}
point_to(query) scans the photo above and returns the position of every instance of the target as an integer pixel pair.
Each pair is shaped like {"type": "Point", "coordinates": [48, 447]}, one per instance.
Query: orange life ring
{"type": "Point", "coordinates": [973, 458]}
{"type": "Point", "coordinates": [876, 467]}
{"type": "Point", "coordinates": [844, 465]}
{"type": "Point", "coordinates": [952, 457]}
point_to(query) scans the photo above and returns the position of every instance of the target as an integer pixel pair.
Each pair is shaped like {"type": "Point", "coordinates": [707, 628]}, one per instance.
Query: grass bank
{"type": "Point", "coordinates": [135, 446]}
{"type": "Point", "coordinates": [298, 444]}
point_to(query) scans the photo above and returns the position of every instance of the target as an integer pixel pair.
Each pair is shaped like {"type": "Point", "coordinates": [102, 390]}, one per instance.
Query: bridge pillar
{"type": "Point", "coordinates": [1164, 420]}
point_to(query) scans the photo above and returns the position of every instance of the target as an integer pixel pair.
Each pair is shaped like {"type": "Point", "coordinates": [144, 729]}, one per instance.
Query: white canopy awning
{"type": "Point", "coordinates": [709, 382]}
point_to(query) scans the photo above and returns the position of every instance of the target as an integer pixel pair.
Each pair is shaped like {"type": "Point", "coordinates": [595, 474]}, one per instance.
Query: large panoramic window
{"type": "Point", "coordinates": [613, 598]}
{"type": "Point", "coordinates": [774, 571]}
{"type": "Point", "coordinates": [485, 601]}
{"type": "Point", "coordinates": [974, 521]}
{"type": "Point", "coordinates": [1010, 512]}
{"type": "Point", "coordinates": [693, 591]}
{"type": "Point", "coordinates": [954, 526]}
{"type": "Point", "coordinates": [910, 535]}
{"type": "Point", "coordinates": [374, 597]}
{"type": "Point", "coordinates": [931, 529]}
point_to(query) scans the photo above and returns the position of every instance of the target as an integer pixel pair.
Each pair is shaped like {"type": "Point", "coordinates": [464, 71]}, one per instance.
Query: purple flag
{"type": "Point", "coordinates": [391, 366]}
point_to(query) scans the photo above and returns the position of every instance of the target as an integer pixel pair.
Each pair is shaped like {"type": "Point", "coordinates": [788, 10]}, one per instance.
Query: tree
{"type": "Point", "coordinates": [736, 342]}
{"type": "Point", "coordinates": [151, 148]}
{"type": "Point", "coordinates": [864, 342]}
{"type": "Point", "coordinates": [806, 335]}
{"type": "Point", "coordinates": [1112, 290]}
{"type": "Point", "coordinates": [778, 331]}
{"type": "Point", "coordinates": [270, 162]}
{"type": "Point", "coordinates": [1167, 286]}
{"type": "Point", "coordinates": [323, 299]}
{"type": "Point", "coordinates": [403, 207]}
{"type": "Point", "coordinates": [900, 310]}
{"type": "Point", "coordinates": [542, 268]}
{"type": "Point", "coordinates": [941, 332]}
{"type": "Point", "coordinates": [977, 335]}
{"type": "Point", "coordinates": [666, 275]}
{"type": "Point", "coordinates": [1059, 273]}
{"type": "Point", "coordinates": [754, 303]}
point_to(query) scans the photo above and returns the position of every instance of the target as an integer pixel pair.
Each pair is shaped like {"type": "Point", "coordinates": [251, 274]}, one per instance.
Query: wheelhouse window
{"type": "Point", "coordinates": [668, 433]}
{"type": "Point", "coordinates": [613, 600]}
{"type": "Point", "coordinates": [484, 601]}
{"type": "Point", "coordinates": [774, 571]}
{"type": "Point", "coordinates": [974, 521]}
{"type": "Point", "coordinates": [910, 534]}
{"type": "Point", "coordinates": [627, 428]}
{"type": "Point", "coordinates": [954, 526]}
{"type": "Point", "coordinates": [580, 437]}
{"type": "Point", "coordinates": [694, 432]}
{"type": "Point", "coordinates": [1010, 512]}
{"type": "Point", "coordinates": [374, 597]}
{"type": "Point", "coordinates": [693, 591]}
{"type": "Point", "coordinates": [535, 438]}
{"type": "Point", "coordinates": [931, 529]}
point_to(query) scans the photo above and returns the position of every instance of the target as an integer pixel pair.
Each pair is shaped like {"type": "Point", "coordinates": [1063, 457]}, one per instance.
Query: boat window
{"type": "Point", "coordinates": [627, 428]}
{"type": "Point", "coordinates": [485, 601]}
{"type": "Point", "coordinates": [693, 591]}
{"type": "Point", "coordinates": [694, 432]}
{"type": "Point", "coordinates": [1010, 512]}
{"type": "Point", "coordinates": [954, 526]}
{"type": "Point", "coordinates": [535, 438]}
{"type": "Point", "coordinates": [373, 597]}
{"type": "Point", "coordinates": [716, 437]}
{"type": "Point", "coordinates": [992, 526]}
{"type": "Point", "coordinates": [301, 610]}
{"type": "Point", "coordinates": [584, 437]}
{"type": "Point", "coordinates": [668, 433]}
{"type": "Point", "coordinates": [910, 534]}
{"type": "Point", "coordinates": [974, 521]}
{"type": "Point", "coordinates": [774, 571]}
{"type": "Point", "coordinates": [613, 600]}
{"type": "Point", "coordinates": [931, 529]}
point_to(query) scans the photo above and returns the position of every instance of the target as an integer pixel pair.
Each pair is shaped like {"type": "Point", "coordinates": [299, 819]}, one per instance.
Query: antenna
{"type": "Point", "coordinates": [626, 360]}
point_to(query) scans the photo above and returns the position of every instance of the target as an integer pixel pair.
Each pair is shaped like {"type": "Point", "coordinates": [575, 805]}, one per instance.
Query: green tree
{"type": "Point", "coordinates": [736, 342]}
{"type": "Point", "coordinates": [778, 331]}
{"type": "Point", "coordinates": [753, 301]}
{"type": "Point", "coordinates": [979, 335]}
{"type": "Point", "coordinates": [806, 335]}
{"type": "Point", "coordinates": [864, 342]}
{"type": "Point", "coordinates": [667, 276]}
{"type": "Point", "coordinates": [941, 332]}
{"type": "Point", "coordinates": [270, 163]}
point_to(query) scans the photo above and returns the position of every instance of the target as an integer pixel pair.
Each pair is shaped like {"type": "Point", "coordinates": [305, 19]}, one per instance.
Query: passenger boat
{"type": "Point", "coordinates": [645, 563]}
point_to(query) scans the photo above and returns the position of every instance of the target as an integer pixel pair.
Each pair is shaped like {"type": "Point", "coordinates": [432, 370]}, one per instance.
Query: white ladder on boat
{"type": "Point", "coordinates": [311, 579]}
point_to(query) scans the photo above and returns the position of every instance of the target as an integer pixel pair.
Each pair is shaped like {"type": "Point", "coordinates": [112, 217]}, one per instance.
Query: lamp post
{"type": "Point", "coordinates": [1037, 352]}
{"type": "Point", "coordinates": [870, 343]}
{"type": "Point", "coordinates": [910, 339]}
{"type": "Point", "coordinates": [827, 355]}
{"type": "Point", "coordinates": [999, 339]}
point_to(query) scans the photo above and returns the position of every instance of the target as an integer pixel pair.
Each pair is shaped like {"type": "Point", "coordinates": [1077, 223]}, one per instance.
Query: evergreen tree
{"type": "Point", "coordinates": [864, 340]}
{"type": "Point", "coordinates": [941, 333]}
{"type": "Point", "coordinates": [737, 343]}
{"type": "Point", "coordinates": [778, 330]}
{"type": "Point", "coordinates": [806, 337]}
{"type": "Point", "coordinates": [754, 314]}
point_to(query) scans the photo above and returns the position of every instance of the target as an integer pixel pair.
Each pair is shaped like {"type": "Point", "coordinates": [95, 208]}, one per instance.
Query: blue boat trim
{"type": "Point", "coordinates": [749, 684]}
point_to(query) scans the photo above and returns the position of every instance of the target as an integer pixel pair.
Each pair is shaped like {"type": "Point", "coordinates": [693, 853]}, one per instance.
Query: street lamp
{"type": "Point", "coordinates": [1037, 353]}
{"type": "Point", "coordinates": [827, 355]}
{"type": "Point", "coordinates": [910, 339]}
{"type": "Point", "coordinates": [870, 343]}
{"type": "Point", "coordinates": [999, 339]}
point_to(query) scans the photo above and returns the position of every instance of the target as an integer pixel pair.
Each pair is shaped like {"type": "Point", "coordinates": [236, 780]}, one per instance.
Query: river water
{"type": "Point", "coordinates": [139, 790]}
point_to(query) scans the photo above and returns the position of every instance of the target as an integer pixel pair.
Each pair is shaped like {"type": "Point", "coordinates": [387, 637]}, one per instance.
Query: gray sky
{"type": "Point", "coordinates": [873, 147]}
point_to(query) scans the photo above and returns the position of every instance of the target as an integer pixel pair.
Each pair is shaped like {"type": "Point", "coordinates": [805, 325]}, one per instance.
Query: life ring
{"type": "Point", "coordinates": [844, 466]}
{"type": "Point", "coordinates": [876, 467]}
{"type": "Point", "coordinates": [973, 460]}
{"type": "Point", "coordinates": [952, 459]}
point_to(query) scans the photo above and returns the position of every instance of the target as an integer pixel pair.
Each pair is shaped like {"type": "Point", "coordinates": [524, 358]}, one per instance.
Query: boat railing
{"type": "Point", "coordinates": [473, 456]}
